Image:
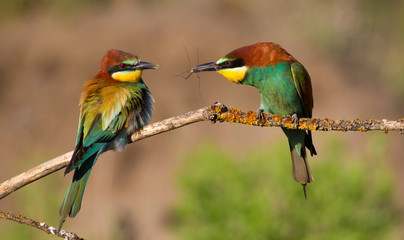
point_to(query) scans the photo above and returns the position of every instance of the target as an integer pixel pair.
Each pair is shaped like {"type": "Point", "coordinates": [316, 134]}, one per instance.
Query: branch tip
{"type": "Point", "coordinates": [39, 225]}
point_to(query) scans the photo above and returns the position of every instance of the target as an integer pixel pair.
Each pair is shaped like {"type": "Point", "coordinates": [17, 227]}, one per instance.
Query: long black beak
{"type": "Point", "coordinates": [212, 66]}
{"type": "Point", "coordinates": [145, 65]}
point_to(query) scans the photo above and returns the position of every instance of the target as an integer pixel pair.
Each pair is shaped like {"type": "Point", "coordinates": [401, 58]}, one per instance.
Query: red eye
{"type": "Point", "coordinates": [227, 63]}
{"type": "Point", "coordinates": [122, 66]}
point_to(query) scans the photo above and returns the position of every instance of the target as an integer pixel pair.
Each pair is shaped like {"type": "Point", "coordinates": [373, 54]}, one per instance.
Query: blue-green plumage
{"type": "Point", "coordinates": [277, 89]}
{"type": "Point", "coordinates": [281, 93]}
{"type": "Point", "coordinates": [284, 86]}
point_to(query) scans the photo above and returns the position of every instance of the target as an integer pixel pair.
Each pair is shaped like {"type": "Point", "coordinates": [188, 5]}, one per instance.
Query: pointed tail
{"type": "Point", "coordinates": [72, 202]}
{"type": "Point", "coordinates": [301, 169]}
{"type": "Point", "coordinates": [298, 141]}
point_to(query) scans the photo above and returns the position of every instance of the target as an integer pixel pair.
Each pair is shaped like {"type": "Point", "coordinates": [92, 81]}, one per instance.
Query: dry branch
{"type": "Point", "coordinates": [216, 112]}
{"type": "Point", "coordinates": [42, 226]}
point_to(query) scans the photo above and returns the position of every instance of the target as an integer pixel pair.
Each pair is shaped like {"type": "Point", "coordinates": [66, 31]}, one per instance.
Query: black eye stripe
{"type": "Point", "coordinates": [232, 63]}
{"type": "Point", "coordinates": [118, 67]}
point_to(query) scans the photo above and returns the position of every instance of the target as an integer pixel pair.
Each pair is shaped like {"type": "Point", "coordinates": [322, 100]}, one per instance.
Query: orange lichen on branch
{"type": "Point", "coordinates": [277, 118]}
{"type": "Point", "coordinates": [251, 118]}
{"type": "Point", "coordinates": [288, 124]}
{"type": "Point", "coordinates": [362, 129]}
{"type": "Point", "coordinates": [233, 116]}
{"type": "Point", "coordinates": [216, 112]}
{"type": "Point", "coordinates": [223, 114]}
{"type": "Point", "coordinates": [312, 125]}
{"type": "Point", "coordinates": [303, 126]}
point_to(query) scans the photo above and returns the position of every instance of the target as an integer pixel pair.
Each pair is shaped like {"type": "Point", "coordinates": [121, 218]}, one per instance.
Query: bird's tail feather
{"type": "Point", "coordinates": [298, 140]}
{"type": "Point", "coordinates": [308, 140]}
{"type": "Point", "coordinates": [301, 169]}
{"type": "Point", "coordinates": [72, 202]}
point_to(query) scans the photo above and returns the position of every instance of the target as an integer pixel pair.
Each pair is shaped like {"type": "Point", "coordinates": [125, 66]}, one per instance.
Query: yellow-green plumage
{"type": "Point", "coordinates": [113, 104]}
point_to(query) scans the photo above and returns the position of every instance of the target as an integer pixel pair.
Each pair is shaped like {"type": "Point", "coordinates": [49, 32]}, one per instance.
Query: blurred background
{"type": "Point", "coordinates": [206, 181]}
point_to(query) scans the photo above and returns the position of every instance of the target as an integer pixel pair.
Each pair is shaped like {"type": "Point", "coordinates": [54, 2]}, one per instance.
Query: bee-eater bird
{"type": "Point", "coordinates": [113, 104]}
{"type": "Point", "coordinates": [284, 86]}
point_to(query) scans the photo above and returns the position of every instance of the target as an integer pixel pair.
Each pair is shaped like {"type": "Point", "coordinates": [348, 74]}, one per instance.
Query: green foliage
{"type": "Point", "coordinates": [253, 196]}
{"type": "Point", "coordinates": [349, 31]}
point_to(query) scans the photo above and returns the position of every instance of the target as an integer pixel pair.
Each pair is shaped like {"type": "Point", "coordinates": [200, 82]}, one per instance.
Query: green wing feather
{"type": "Point", "coordinates": [302, 82]}
{"type": "Point", "coordinates": [98, 126]}
{"type": "Point", "coordinates": [104, 126]}
{"type": "Point", "coordinates": [93, 118]}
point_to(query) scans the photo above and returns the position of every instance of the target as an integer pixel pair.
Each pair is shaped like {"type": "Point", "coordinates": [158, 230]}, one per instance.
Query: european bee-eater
{"type": "Point", "coordinates": [284, 86]}
{"type": "Point", "coordinates": [113, 104]}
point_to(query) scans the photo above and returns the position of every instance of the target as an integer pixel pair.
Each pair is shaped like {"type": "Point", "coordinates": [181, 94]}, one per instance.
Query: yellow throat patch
{"type": "Point", "coordinates": [127, 76]}
{"type": "Point", "coordinates": [235, 75]}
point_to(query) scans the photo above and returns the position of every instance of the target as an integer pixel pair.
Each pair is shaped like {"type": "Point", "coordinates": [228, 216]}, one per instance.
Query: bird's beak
{"type": "Point", "coordinates": [212, 66]}
{"type": "Point", "coordinates": [145, 65]}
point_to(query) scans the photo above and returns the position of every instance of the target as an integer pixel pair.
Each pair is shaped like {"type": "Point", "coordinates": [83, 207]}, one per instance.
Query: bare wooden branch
{"type": "Point", "coordinates": [60, 162]}
{"type": "Point", "coordinates": [42, 226]}
{"type": "Point", "coordinates": [169, 124]}
{"type": "Point", "coordinates": [218, 112]}
{"type": "Point", "coordinates": [34, 174]}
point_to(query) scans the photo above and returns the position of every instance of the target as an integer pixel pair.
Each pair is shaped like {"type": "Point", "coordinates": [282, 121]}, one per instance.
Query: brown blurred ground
{"type": "Point", "coordinates": [45, 59]}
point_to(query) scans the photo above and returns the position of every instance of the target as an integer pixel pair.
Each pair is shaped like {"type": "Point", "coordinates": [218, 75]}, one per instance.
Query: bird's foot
{"type": "Point", "coordinates": [260, 115]}
{"type": "Point", "coordinates": [295, 120]}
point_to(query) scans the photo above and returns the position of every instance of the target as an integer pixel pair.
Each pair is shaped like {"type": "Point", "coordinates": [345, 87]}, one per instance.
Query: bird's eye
{"type": "Point", "coordinates": [122, 66]}
{"type": "Point", "coordinates": [227, 63]}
